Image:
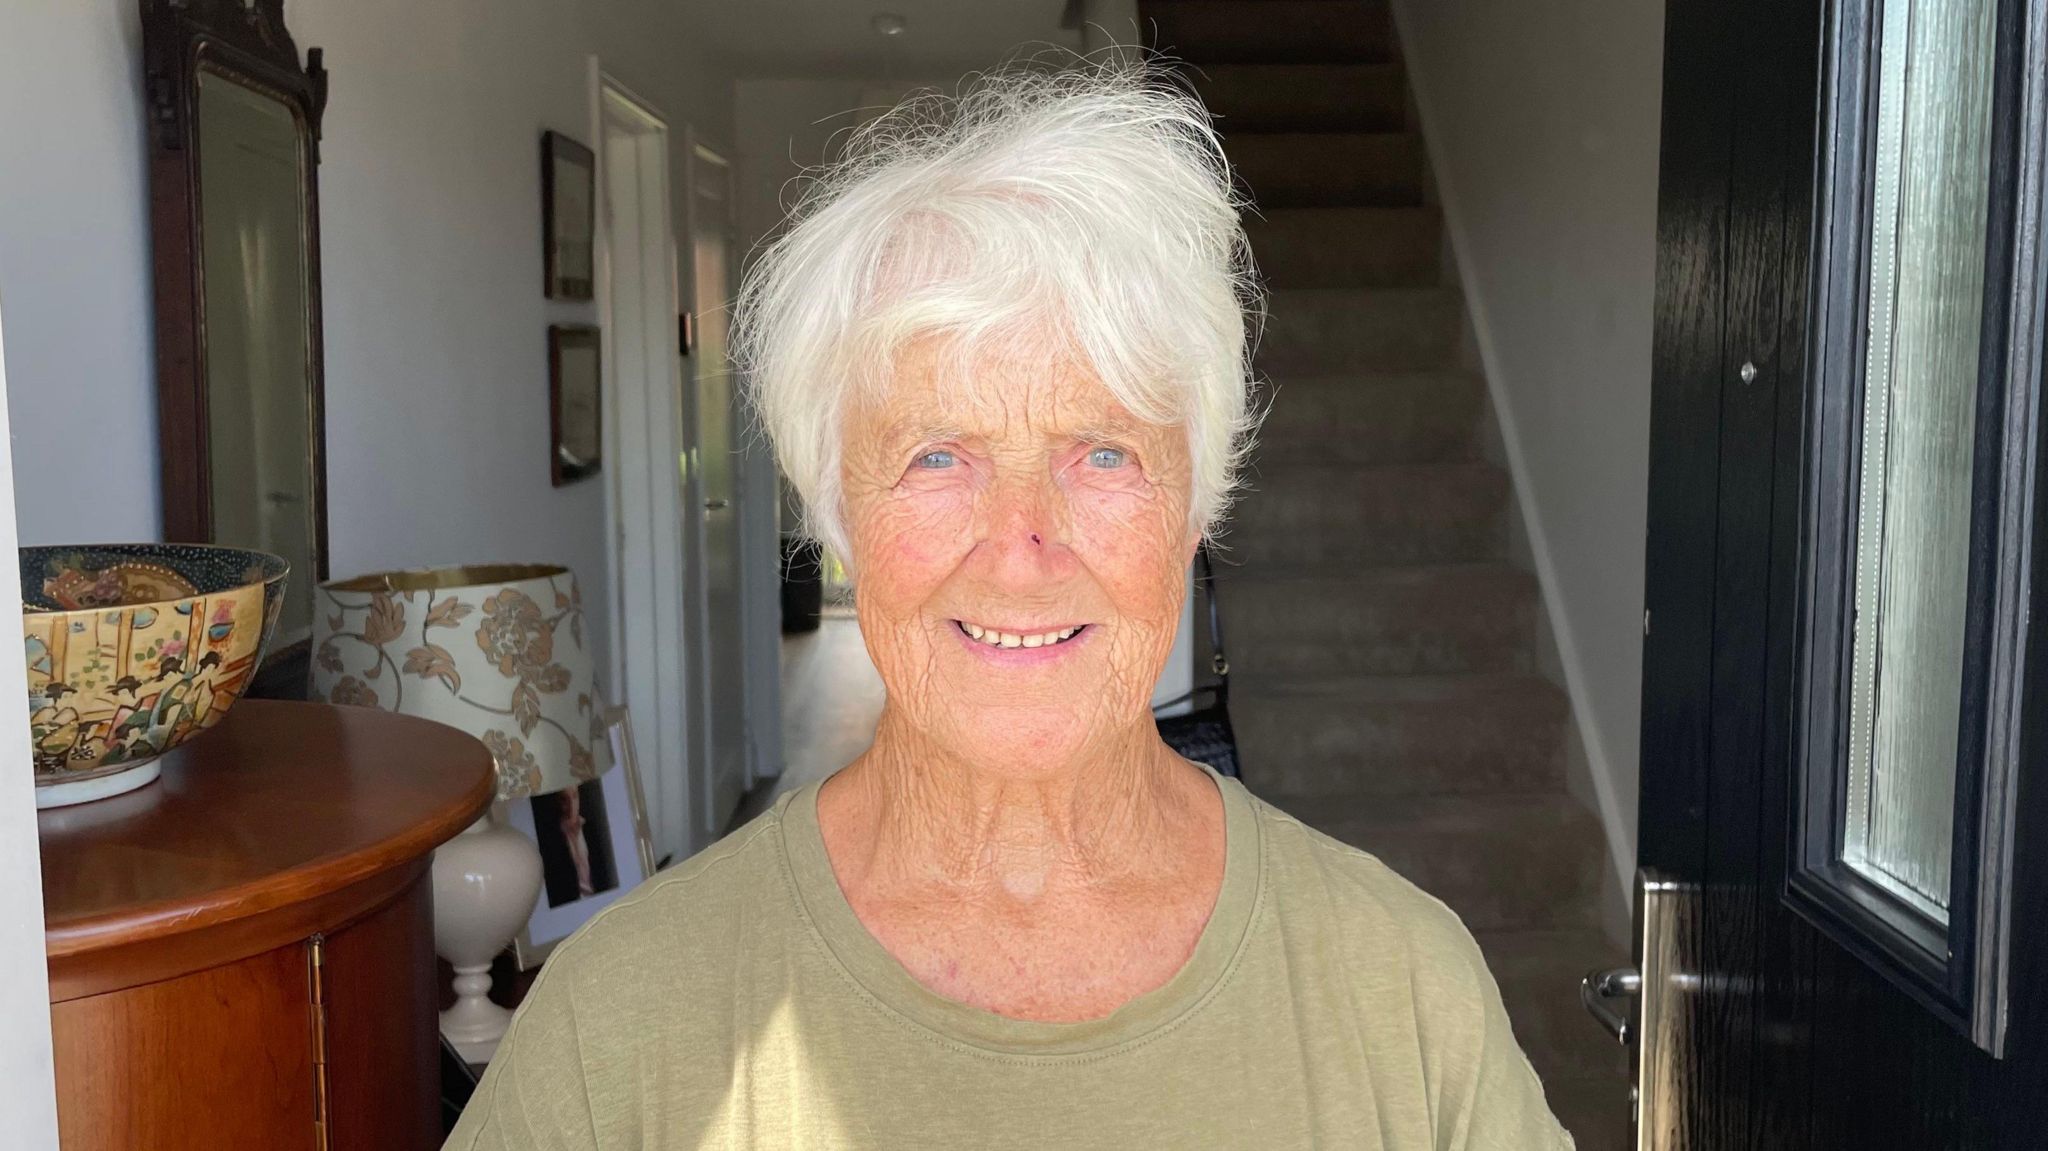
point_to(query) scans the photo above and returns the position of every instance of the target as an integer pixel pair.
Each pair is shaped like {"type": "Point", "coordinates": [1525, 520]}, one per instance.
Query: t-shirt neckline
{"type": "Point", "coordinates": [883, 979]}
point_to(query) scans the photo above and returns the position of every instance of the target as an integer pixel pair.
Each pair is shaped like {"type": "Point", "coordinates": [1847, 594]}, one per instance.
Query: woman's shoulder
{"type": "Point", "coordinates": [653, 974]}
{"type": "Point", "coordinates": [1359, 905]}
{"type": "Point", "coordinates": [737, 882]}
{"type": "Point", "coordinates": [1410, 961]}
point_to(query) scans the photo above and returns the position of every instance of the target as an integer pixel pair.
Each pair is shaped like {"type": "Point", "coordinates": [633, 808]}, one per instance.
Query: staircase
{"type": "Point", "coordinates": [1383, 645]}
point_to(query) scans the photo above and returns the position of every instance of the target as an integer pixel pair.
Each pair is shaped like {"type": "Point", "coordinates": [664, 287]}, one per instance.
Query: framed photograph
{"type": "Point", "coordinates": [575, 401]}
{"type": "Point", "coordinates": [594, 847]}
{"type": "Point", "coordinates": [568, 202]}
{"type": "Point", "coordinates": [619, 731]}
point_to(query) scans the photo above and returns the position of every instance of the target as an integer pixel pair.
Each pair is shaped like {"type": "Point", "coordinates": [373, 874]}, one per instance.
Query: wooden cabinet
{"type": "Point", "coordinates": [241, 954]}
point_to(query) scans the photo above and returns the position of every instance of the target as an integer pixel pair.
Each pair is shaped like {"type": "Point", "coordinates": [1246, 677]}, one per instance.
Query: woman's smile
{"type": "Point", "coordinates": [1021, 644]}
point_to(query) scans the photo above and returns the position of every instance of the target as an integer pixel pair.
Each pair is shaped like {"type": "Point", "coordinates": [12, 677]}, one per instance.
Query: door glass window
{"type": "Point", "coordinates": [1917, 565]}
{"type": "Point", "coordinates": [1929, 190]}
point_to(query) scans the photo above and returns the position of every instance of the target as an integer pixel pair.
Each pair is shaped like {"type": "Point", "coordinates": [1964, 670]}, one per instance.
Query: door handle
{"type": "Point", "coordinates": [1598, 992]}
{"type": "Point", "coordinates": [1631, 1004]}
{"type": "Point", "coordinates": [715, 505]}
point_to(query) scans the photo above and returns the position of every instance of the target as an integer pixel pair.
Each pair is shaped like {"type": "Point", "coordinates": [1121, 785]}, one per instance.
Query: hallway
{"type": "Point", "coordinates": [831, 698]}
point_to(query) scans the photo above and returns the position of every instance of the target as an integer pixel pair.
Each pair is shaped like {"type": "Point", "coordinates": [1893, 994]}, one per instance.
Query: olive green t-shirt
{"type": "Point", "coordinates": [737, 1002]}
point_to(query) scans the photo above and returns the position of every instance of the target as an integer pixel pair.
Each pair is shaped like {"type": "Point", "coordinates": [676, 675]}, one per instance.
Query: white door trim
{"type": "Point", "coordinates": [645, 500]}
{"type": "Point", "coordinates": [698, 152]}
{"type": "Point", "coordinates": [28, 1084]}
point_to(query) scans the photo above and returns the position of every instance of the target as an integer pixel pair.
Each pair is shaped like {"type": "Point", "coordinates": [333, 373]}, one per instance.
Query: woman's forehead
{"type": "Point", "coordinates": [933, 392]}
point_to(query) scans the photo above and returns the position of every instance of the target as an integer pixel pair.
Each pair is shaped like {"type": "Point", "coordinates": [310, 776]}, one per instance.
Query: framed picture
{"type": "Point", "coordinates": [619, 730]}
{"type": "Point", "coordinates": [574, 403]}
{"type": "Point", "coordinates": [568, 203]}
{"type": "Point", "coordinates": [594, 848]}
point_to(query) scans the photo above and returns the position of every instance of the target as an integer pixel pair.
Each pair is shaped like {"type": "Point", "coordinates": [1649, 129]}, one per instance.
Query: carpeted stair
{"type": "Point", "coordinates": [1383, 646]}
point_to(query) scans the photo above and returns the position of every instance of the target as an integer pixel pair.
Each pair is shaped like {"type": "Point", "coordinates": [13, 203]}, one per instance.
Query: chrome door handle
{"type": "Point", "coordinates": [714, 505]}
{"type": "Point", "coordinates": [1598, 992]}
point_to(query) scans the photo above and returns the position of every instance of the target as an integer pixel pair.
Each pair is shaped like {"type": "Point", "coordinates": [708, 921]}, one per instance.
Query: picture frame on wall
{"type": "Point", "coordinates": [568, 200]}
{"type": "Point", "coordinates": [594, 847]}
{"type": "Point", "coordinates": [575, 403]}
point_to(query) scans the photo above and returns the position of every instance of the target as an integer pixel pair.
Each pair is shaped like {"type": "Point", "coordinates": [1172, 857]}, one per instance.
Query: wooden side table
{"type": "Point", "coordinates": [242, 954]}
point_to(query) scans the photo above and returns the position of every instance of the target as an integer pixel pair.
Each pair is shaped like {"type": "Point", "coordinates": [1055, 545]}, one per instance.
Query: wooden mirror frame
{"type": "Point", "coordinates": [245, 40]}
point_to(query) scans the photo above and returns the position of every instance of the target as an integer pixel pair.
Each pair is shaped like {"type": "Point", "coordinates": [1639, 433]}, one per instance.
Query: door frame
{"type": "Point", "coordinates": [698, 150]}
{"type": "Point", "coordinates": [760, 535]}
{"type": "Point", "coordinates": [1957, 968]}
{"type": "Point", "coordinates": [28, 1084]}
{"type": "Point", "coordinates": [645, 498]}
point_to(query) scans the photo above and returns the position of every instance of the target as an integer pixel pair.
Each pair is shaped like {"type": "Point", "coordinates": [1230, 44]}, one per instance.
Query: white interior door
{"type": "Point", "coordinates": [651, 628]}
{"type": "Point", "coordinates": [720, 489]}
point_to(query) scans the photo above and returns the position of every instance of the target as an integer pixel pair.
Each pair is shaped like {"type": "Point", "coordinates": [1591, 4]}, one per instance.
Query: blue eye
{"type": "Point", "coordinates": [938, 459]}
{"type": "Point", "coordinates": [1106, 458]}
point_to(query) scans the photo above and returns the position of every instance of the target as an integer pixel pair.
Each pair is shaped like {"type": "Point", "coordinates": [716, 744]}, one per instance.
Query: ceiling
{"type": "Point", "coordinates": [837, 37]}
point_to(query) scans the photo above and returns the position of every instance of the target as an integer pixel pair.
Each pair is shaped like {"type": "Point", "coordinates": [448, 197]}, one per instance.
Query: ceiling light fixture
{"type": "Point", "coordinates": [890, 23]}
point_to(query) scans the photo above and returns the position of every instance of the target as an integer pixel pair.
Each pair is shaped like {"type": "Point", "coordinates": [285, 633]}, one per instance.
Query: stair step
{"type": "Point", "coordinates": [1304, 97]}
{"type": "Point", "coordinates": [1445, 619]}
{"type": "Point", "coordinates": [1348, 247]}
{"type": "Point", "coordinates": [1334, 330]}
{"type": "Point", "coordinates": [1584, 1071]}
{"type": "Point", "coordinates": [1512, 861]}
{"type": "Point", "coordinates": [1298, 515]}
{"type": "Point", "coordinates": [1401, 735]}
{"type": "Point", "coordinates": [1389, 418]}
{"type": "Point", "coordinates": [1539, 972]}
{"type": "Point", "coordinates": [1328, 169]}
{"type": "Point", "coordinates": [1594, 1109]}
{"type": "Point", "coordinates": [1278, 31]}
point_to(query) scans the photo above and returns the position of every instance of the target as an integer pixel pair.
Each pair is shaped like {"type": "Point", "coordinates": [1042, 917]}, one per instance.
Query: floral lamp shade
{"type": "Point", "coordinates": [496, 651]}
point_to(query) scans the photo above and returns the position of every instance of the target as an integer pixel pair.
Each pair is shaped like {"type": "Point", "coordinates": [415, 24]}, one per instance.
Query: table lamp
{"type": "Point", "coordinates": [499, 652]}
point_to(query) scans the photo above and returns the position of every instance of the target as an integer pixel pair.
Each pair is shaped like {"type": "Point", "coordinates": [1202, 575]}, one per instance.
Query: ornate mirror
{"type": "Point", "coordinates": [235, 229]}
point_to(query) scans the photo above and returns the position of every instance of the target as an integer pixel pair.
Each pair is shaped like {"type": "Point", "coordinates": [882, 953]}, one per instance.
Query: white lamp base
{"type": "Point", "coordinates": [485, 883]}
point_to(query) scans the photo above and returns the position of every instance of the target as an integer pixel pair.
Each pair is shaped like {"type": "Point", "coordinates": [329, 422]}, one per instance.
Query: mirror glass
{"type": "Point", "coordinates": [259, 381]}
{"type": "Point", "coordinates": [1930, 184]}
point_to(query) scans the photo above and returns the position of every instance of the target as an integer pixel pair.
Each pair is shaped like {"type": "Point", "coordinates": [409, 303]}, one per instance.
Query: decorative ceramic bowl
{"type": "Point", "coordinates": [134, 649]}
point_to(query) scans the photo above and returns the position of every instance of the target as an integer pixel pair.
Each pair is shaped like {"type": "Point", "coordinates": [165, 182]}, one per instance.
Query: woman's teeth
{"type": "Point", "coordinates": [997, 638]}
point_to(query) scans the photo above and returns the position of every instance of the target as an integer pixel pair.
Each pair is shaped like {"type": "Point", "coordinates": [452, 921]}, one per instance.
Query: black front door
{"type": "Point", "coordinates": [1844, 805]}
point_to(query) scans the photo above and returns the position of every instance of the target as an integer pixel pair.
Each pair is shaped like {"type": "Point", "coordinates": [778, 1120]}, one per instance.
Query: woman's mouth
{"type": "Point", "coordinates": [998, 637]}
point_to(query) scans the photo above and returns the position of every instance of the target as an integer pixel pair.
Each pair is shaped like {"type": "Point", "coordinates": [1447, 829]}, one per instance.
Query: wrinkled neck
{"type": "Point", "coordinates": [919, 817]}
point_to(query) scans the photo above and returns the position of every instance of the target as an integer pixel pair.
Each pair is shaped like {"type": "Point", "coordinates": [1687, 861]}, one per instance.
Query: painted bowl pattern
{"type": "Point", "coordinates": [134, 648]}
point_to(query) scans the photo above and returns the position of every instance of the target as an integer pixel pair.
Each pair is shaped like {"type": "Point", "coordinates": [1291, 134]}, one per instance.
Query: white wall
{"type": "Point", "coordinates": [1542, 125]}
{"type": "Point", "coordinates": [28, 1098]}
{"type": "Point", "coordinates": [74, 270]}
{"type": "Point", "coordinates": [436, 328]}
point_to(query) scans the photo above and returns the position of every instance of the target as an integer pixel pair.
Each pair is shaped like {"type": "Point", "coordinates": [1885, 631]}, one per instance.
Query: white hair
{"type": "Point", "coordinates": [1092, 203]}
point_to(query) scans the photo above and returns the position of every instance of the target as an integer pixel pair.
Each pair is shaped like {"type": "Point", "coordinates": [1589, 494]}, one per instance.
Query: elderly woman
{"type": "Point", "coordinates": [1002, 353]}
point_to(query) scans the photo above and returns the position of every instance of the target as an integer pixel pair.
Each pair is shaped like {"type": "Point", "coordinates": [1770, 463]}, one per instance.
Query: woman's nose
{"type": "Point", "coordinates": [1025, 536]}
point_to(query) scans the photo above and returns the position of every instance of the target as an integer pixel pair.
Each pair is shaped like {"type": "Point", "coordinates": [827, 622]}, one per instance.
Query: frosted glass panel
{"type": "Point", "coordinates": [1930, 182]}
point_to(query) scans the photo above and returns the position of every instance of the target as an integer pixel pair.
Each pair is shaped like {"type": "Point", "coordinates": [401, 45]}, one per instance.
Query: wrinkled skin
{"type": "Point", "coordinates": [1018, 837]}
